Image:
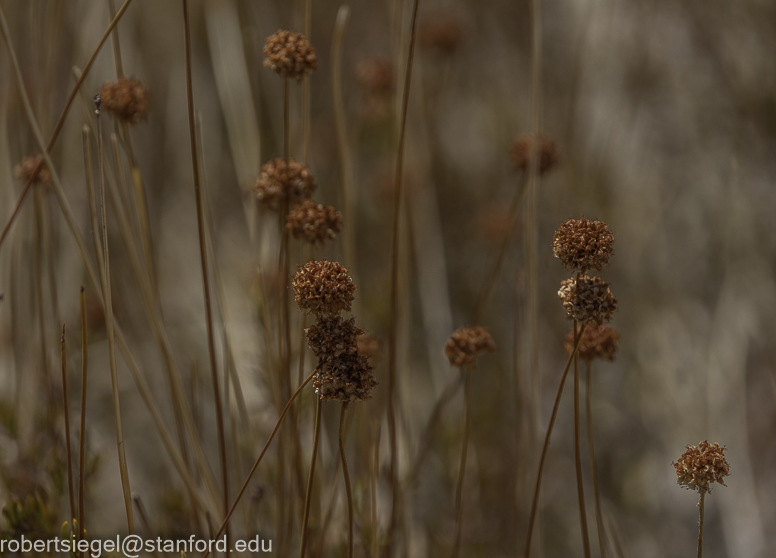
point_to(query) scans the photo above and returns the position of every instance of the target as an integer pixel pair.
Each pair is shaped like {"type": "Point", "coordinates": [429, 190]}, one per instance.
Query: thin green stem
{"type": "Point", "coordinates": [578, 453]}
{"type": "Point", "coordinates": [462, 466]}
{"type": "Point", "coordinates": [311, 477]}
{"type": "Point", "coordinates": [700, 521]}
{"type": "Point", "coordinates": [346, 476]}
{"type": "Point", "coordinates": [596, 495]}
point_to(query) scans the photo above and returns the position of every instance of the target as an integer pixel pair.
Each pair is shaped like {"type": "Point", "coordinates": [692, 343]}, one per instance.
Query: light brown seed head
{"type": "Point", "coordinates": [323, 287]}
{"type": "Point", "coordinates": [126, 99]}
{"type": "Point", "coordinates": [440, 32]}
{"type": "Point", "coordinates": [598, 342]}
{"type": "Point", "coordinates": [464, 344]}
{"type": "Point", "coordinates": [368, 345]}
{"type": "Point", "coordinates": [582, 244]}
{"type": "Point", "coordinates": [314, 223]}
{"type": "Point", "coordinates": [289, 54]}
{"type": "Point", "coordinates": [521, 152]}
{"type": "Point", "coordinates": [274, 183]}
{"type": "Point", "coordinates": [588, 299]}
{"type": "Point", "coordinates": [25, 169]}
{"type": "Point", "coordinates": [701, 466]}
{"type": "Point", "coordinates": [344, 378]}
{"type": "Point", "coordinates": [376, 75]}
{"type": "Point", "coordinates": [333, 336]}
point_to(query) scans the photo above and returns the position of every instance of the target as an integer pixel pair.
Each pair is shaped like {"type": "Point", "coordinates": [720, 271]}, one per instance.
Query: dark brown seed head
{"type": "Point", "coordinates": [274, 182]}
{"type": "Point", "coordinates": [289, 54]}
{"type": "Point", "coordinates": [126, 99]}
{"type": "Point", "coordinates": [25, 169]}
{"type": "Point", "coordinates": [344, 378]}
{"type": "Point", "coordinates": [375, 75]}
{"type": "Point", "coordinates": [440, 32]}
{"type": "Point", "coordinates": [464, 344]}
{"type": "Point", "coordinates": [598, 342]}
{"type": "Point", "coordinates": [333, 336]}
{"type": "Point", "coordinates": [521, 151]}
{"type": "Point", "coordinates": [581, 244]}
{"type": "Point", "coordinates": [314, 223]}
{"type": "Point", "coordinates": [588, 299]}
{"type": "Point", "coordinates": [701, 466]}
{"type": "Point", "coordinates": [323, 287]}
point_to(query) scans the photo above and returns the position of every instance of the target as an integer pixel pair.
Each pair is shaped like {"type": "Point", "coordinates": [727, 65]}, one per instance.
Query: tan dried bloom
{"type": "Point", "coordinates": [376, 75]}
{"type": "Point", "coordinates": [598, 342]}
{"type": "Point", "coordinates": [368, 345]}
{"type": "Point", "coordinates": [701, 466]}
{"type": "Point", "coordinates": [27, 166]}
{"type": "Point", "coordinates": [440, 32]}
{"type": "Point", "coordinates": [126, 99]}
{"type": "Point", "coordinates": [464, 344]}
{"type": "Point", "coordinates": [521, 150]}
{"type": "Point", "coordinates": [314, 222]}
{"type": "Point", "coordinates": [274, 182]}
{"type": "Point", "coordinates": [289, 54]}
{"type": "Point", "coordinates": [323, 287]}
{"type": "Point", "coordinates": [333, 336]}
{"type": "Point", "coordinates": [581, 244]}
{"type": "Point", "coordinates": [344, 378]}
{"type": "Point", "coordinates": [588, 299]}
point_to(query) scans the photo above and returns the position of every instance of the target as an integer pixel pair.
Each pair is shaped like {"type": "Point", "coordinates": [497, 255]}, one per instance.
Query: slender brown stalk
{"type": "Point", "coordinates": [462, 466]}
{"type": "Point", "coordinates": [67, 428]}
{"type": "Point", "coordinates": [346, 476]}
{"type": "Point", "coordinates": [700, 521]}
{"type": "Point", "coordinates": [82, 433]}
{"type": "Point", "coordinates": [311, 477]}
{"type": "Point", "coordinates": [141, 511]}
{"type": "Point", "coordinates": [596, 495]}
{"type": "Point", "coordinates": [578, 453]}
{"type": "Point", "coordinates": [535, 503]}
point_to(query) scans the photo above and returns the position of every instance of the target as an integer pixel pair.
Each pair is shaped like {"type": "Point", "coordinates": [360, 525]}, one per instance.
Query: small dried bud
{"type": "Point", "coordinates": [465, 343]}
{"type": "Point", "coordinates": [701, 466]}
{"type": "Point", "coordinates": [440, 32]}
{"type": "Point", "coordinates": [344, 378]}
{"type": "Point", "coordinates": [314, 222]}
{"type": "Point", "coordinates": [290, 54]}
{"type": "Point", "coordinates": [323, 287]}
{"type": "Point", "coordinates": [587, 299]}
{"type": "Point", "coordinates": [368, 345]}
{"type": "Point", "coordinates": [126, 99]}
{"type": "Point", "coordinates": [274, 182]}
{"type": "Point", "coordinates": [521, 152]}
{"type": "Point", "coordinates": [26, 168]}
{"type": "Point", "coordinates": [598, 341]}
{"type": "Point", "coordinates": [333, 336]}
{"type": "Point", "coordinates": [581, 244]}
{"type": "Point", "coordinates": [375, 75]}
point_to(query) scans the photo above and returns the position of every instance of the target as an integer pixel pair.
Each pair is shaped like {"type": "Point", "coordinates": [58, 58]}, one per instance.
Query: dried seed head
{"type": "Point", "coordinates": [289, 54]}
{"type": "Point", "coordinates": [314, 222]}
{"type": "Point", "coordinates": [465, 343]}
{"type": "Point", "coordinates": [375, 75]}
{"type": "Point", "coordinates": [333, 336]}
{"type": "Point", "coordinates": [521, 150]}
{"type": "Point", "coordinates": [700, 467]}
{"type": "Point", "coordinates": [323, 287]}
{"type": "Point", "coordinates": [126, 99]}
{"type": "Point", "coordinates": [368, 345]}
{"type": "Point", "coordinates": [25, 169]}
{"type": "Point", "coordinates": [274, 182]}
{"type": "Point", "coordinates": [587, 299]}
{"type": "Point", "coordinates": [440, 32]}
{"type": "Point", "coordinates": [581, 244]}
{"type": "Point", "coordinates": [598, 341]}
{"type": "Point", "coordinates": [344, 378]}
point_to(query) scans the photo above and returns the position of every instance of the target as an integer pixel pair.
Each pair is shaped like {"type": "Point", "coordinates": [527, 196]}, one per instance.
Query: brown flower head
{"type": "Point", "coordinates": [333, 336]}
{"type": "Point", "coordinates": [368, 345]}
{"type": "Point", "coordinates": [323, 287]}
{"type": "Point", "coordinates": [314, 222]}
{"type": "Point", "coordinates": [588, 299]}
{"type": "Point", "coordinates": [28, 165]}
{"type": "Point", "coordinates": [520, 153]}
{"type": "Point", "coordinates": [274, 182]}
{"type": "Point", "coordinates": [598, 341]}
{"type": "Point", "coordinates": [440, 32]}
{"type": "Point", "coordinates": [464, 344]}
{"type": "Point", "coordinates": [375, 75]}
{"type": "Point", "coordinates": [126, 99]}
{"type": "Point", "coordinates": [701, 466]}
{"type": "Point", "coordinates": [289, 54]}
{"type": "Point", "coordinates": [344, 378]}
{"type": "Point", "coordinates": [581, 244]}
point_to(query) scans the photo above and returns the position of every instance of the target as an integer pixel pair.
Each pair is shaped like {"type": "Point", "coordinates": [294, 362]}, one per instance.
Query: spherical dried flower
{"type": "Point", "coordinates": [323, 287]}
{"type": "Point", "coordinates": [701, 466]}
{"type": "Point", "coordinates": [344, 378]}
{"type": "Point", "coordinates": [25, 169]}
{"type": "Point", "coordinates": [440, 32]}
{"type": "Point", "coordinates": [598, 341]}
{"type": "Point", "coordinates": [314, 222]}
{"type": "Point", "coordinates": [289, 54]}
{"type": "Point", "coordinates": [375, 75]}
{"type": "Point", "coordinates": [521, 152]}
{"type": "Point", "coordinates": [464, 344]}
{"type": "Point", "coordinates": [581, 244]}
{"type": "Point", "coordinates": [274, 182]}
{"type": "Point", "coordinates": [333, 336]}
{"type": "Point", "coordinates": [126, 99]}
{"type": "Point", "coordinates": [587, 299]}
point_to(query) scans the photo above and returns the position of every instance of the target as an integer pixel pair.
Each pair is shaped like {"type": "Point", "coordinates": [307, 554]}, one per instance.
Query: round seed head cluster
{"type": "Point", "coordinates": [314, 222]}
{"type": "Point", "coordinates": [289, 54]}
{"type": "Point", "coordinates": [375, 75]}
{"type": "Point", "coordinates": [25, 169]}
{"type": "Point", "coordinates": [701, 466]}
{"type": "Point", "coordinates": [521, 151]}
{"type": "Point", "coordinates": [274, 182]}
{"type": "Point", "coordinates": [440, 32]}
{"type": "Point", "coordinates": [587, 299]}
{"type": "Point", "coordinates": [598, 342]}
{"type": "Point", "coordinates": [344, 378]}
{"type": "Point", "coordinates": [323, 287]}
{"type": "Point", "coordinates": [581, 244]}
{"type": "Point", "coordinates": [333, 336]}
{"type": "Point", "coordinates": [464, 344]}
{"type": "Point", "coordinates": [126, 99]}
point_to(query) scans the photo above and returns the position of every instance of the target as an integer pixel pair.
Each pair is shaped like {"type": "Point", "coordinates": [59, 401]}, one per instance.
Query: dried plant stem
{"type": "Point", "coordinates": [537, 488]}
{"type": "Point", "coordinates": [462, 466]}
{"type": "Point", "coordinates": [66, 407]}
{"type": "Point", "coordinates": [700, 521]}
{"type": "Point", "coordinates": [596, 495]}
{"type": "Point", "coordinates": [578, 453]}
{"type": "Point", "coordinates": [346, 476]}
{"type": "Point", "coordinates": [306, 112]}
{"type": "Point", "coordinates": [141, 511]}
{"type": "Point", "coordinates": [203, 262]}
{"type": "Point", "coordinates": [82, 433]}
{"type": "Point", "coordinates": [311, 476]}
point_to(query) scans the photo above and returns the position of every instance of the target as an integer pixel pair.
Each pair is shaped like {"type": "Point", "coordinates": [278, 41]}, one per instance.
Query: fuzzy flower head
{"type": "Point", "coordinates": [323, 287]}
{"type": "Point", "coordinates": [126, 99]}
{"type": "Point", "coordinates": [521, 151]}
{"type": "Point", "coordinates": [344, 378]}
{"type": "Point", "coordinates": [289, 54]}
{"type": "Point", "coordinates": [333, 336]}
{"type": "Point", "coordinates": [701, 466]}
{"type": "Point", "coordinates": [581, 244]}
{"type": "Point", "coordinates": [376, 75]}
{"type": "Point", "coordinates": [274, 182]}
{"type": "Point", "coordinates": [598, 342]}
{"type": "Point", "coordinates": [25, 169]}
{"type": "Point", "coordinates": [464, 344]}
{"type": "Point", "coordinates": [587, 299]}
{"type": "Point", "coordinates": [314, 223]}
{"type": "Point", "coordinates": [441, 33]}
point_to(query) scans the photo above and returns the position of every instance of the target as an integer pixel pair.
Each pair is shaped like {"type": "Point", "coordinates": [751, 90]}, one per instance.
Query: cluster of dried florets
{"type": "Point", "coordinates": [290, 54]}
{"type": "Point", "coordinates": [464, 344]}
{"type": "Point", "coordinates": [587, 299]}
{"type": "Point", "coordinates": [582, 244]}
{"type": "Point", "coordinates": [275, 182]}
{"type": "Point", "coordinates": [126, 99]}
{"type": "Point", "coordinates": [323, 287]}
{"type": "Point", "coordinates": [375, 75]}
{"type": "Point", "coordinates": [314, 222]}
{"type": "Point", "coordinates": [598, 342]}
{"type": "Point", "coordinates": [25, 169]}
{"type": "Point", "coordinates": [521, 152]}
{"type": "Point", "coordinates": [701, 466]}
